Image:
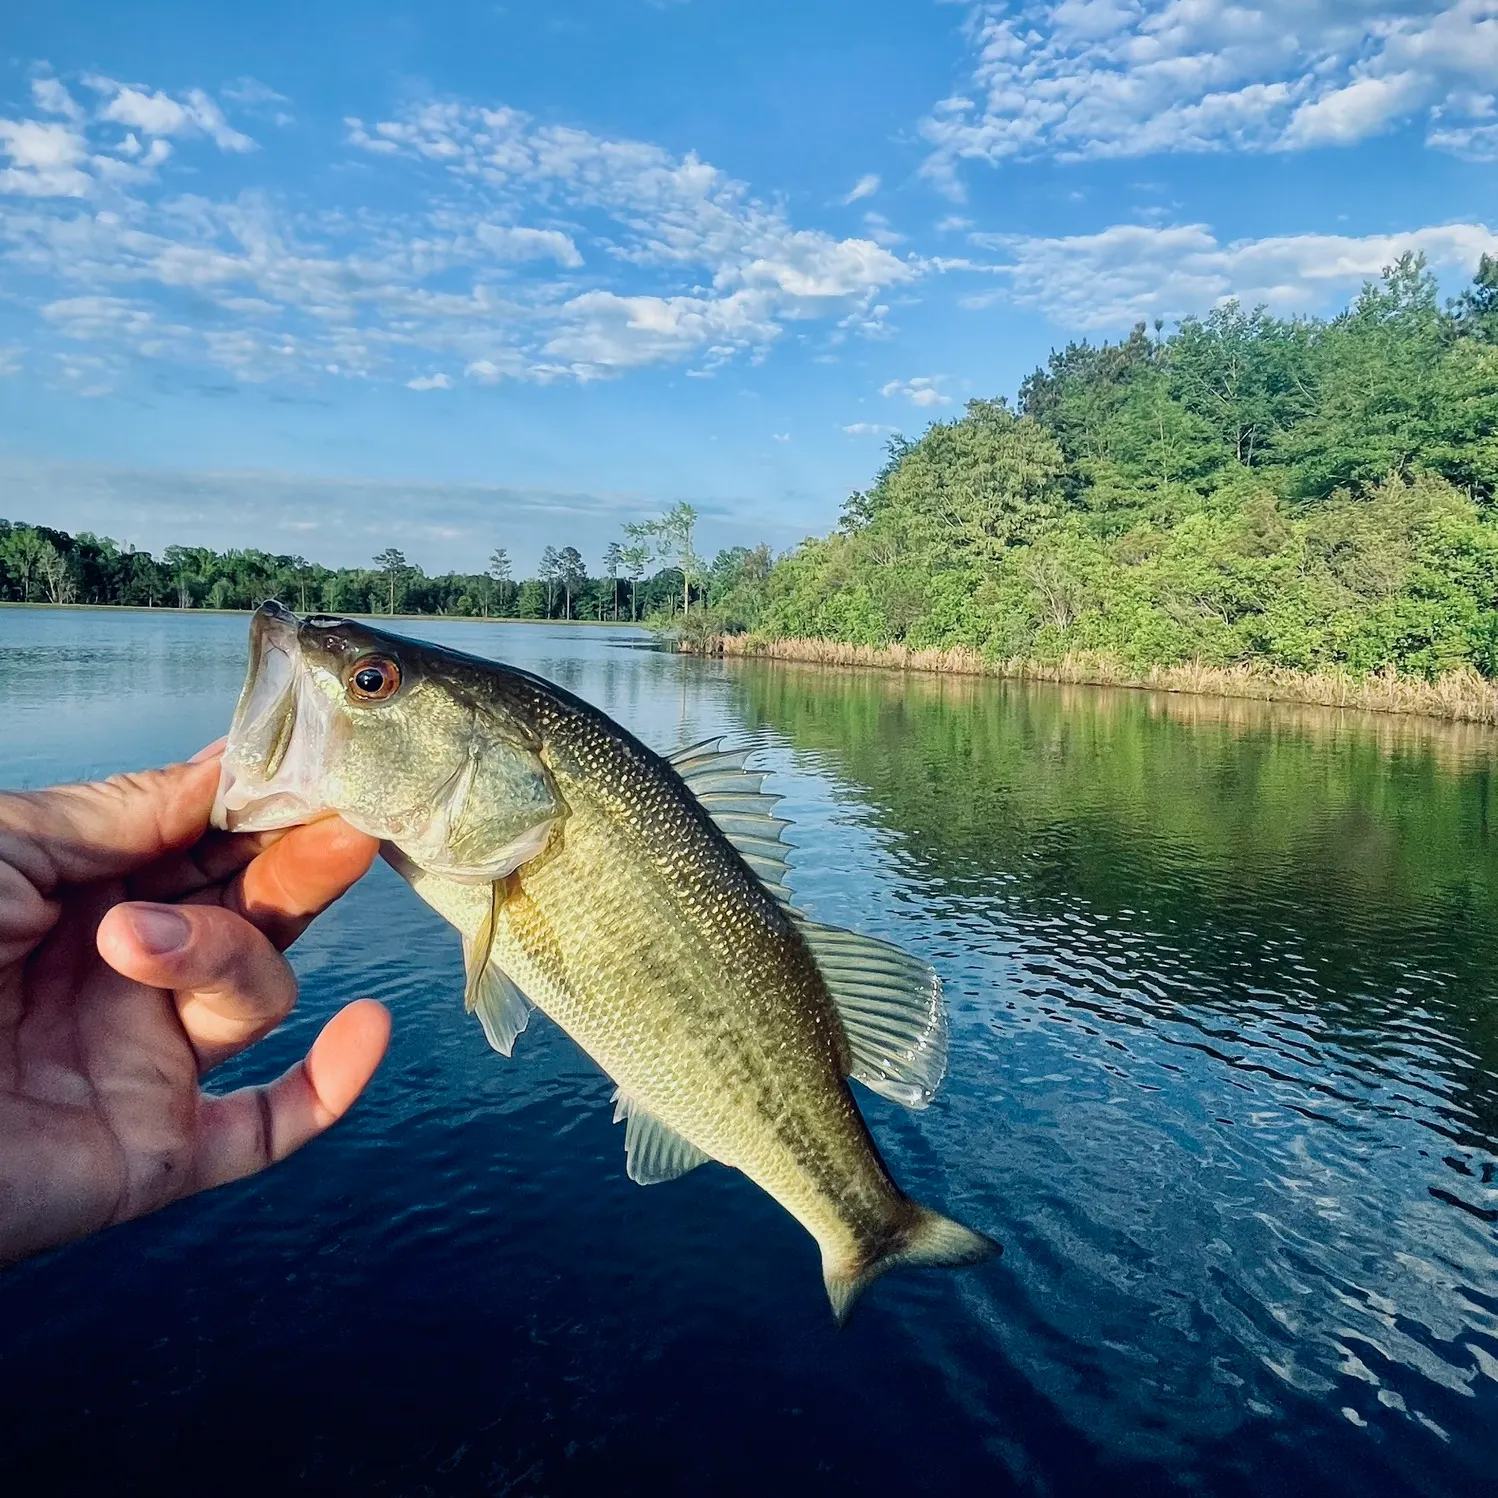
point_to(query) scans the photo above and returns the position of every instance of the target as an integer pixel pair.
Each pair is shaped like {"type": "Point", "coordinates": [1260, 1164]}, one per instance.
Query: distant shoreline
{"type": "Point", "coordinates": [139, 608]}
{"type": "Point", "coordinates": [1458, 697]}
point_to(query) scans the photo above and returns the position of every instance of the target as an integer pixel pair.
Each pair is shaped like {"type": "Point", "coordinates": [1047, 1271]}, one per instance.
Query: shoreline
{"type": "Point", "coordinates": [140, 608]}
{"type": "Point", "coordinates": [1458, 697]}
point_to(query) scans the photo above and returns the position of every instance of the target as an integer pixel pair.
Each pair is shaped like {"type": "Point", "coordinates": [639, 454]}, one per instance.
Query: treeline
{"type": "Point", "coordinates": [39, 564]}
{"type": "Point", "coordinates": [1308, 493]}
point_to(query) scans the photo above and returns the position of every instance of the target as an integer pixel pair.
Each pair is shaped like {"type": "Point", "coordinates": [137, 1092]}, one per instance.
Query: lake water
{"type": "Point", "coordinates": [1224, 1079]}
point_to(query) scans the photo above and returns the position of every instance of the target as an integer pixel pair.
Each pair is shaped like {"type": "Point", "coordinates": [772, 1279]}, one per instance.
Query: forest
{"type": "Point", "coordinates": [1304, 493]}
{"type": "Point", "coordinates": [654, 572]}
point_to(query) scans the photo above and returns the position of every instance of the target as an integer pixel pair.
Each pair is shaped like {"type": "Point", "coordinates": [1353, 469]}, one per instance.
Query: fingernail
{"type": "Point", "coordinates": [159, 928]}
{"type": "Point", "coordinates": [209, 751]}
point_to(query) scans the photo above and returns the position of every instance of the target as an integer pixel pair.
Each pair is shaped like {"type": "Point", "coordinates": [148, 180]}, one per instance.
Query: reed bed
{"type": "Point", "coordinates": [1460, 696]}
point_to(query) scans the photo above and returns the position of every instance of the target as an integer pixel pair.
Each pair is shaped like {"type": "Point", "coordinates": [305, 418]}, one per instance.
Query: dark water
{"type": "Point", "coordinates": [1224, 990]}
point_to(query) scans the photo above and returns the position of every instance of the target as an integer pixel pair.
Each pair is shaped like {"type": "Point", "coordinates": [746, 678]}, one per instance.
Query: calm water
{"type": "Point", "coordinates": [1224, 991]}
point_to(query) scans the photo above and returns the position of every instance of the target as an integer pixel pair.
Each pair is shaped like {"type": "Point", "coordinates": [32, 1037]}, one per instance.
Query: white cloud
{"type": "Point", "coordinates": [160, 114]}
{"type": "Point", "coordinates": [1131, 273]}
{"type": "Point", "coordinates": [258, 99]}
{"type": "Point", "coordinates": [1475, 142]}
{"type": "Point", "coordinates": [11, 361]}
{"type": "Point", "coordinates": [430, 382]}
{"type": "Point", "coordinates": [781, 436]}
{"type": "Point", "coordinates": [488, 372]}
{"type": "Point", "coordinates": [51, 96]}
{"type": "Point", "coordinates": [1108, 78]}
{"type": "Point", "coordinates": [921, 391]}
{"type": "Point", "coordinates": [46, 160]}
{"type": "Point", "coordinates": [865, 187]}
{"type": "Point", "coordinates": [528, 244]}
{"type": "Point", "coordinates": [1350, 114]}
{"type": "Point", "coordinates": [81, 157]}
{"type": "Point", "coordinates": [866, 429]}
{"type": "Point", "coordinates": [526, 252]}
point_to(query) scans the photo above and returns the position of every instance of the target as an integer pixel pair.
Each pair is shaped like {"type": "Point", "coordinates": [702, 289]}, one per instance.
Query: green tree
{"type": "Point", "coordinates": [634, 558]}
{"type": "Point", "coordinates": [550, 575]}
{"type": "Point", "coordinates": [24, 547]}
{"type": "Point", "coordinates": [1475, 311]}
{"type": "Point", "coordinates": [500, 572]}
{"type": "Point", "coordinates": [571, 573]}
{"type": "Point", "coordinates": [395, 569]}
{"type": "Point", "coordinates": [613, 558]}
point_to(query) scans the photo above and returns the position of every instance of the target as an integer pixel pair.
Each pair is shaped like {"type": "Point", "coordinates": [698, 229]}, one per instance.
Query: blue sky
{"type": "Point", "coordinates": [317, 278]}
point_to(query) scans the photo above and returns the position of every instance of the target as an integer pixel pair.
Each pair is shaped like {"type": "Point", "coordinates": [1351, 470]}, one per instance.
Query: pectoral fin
{"type": "Point", "coordinates": [653, 1153]}
{"type": "Point", "coordinates": [502, 1009]}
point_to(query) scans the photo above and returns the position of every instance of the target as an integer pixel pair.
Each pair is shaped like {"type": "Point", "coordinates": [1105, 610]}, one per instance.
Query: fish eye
{"type": "Point", "coordinates": [373, 679]}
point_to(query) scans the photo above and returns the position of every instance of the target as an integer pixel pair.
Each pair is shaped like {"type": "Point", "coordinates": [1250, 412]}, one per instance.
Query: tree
{"type": "Point", "coordinates": [571, 573]}
{"type": "Point", "coordinates": [671, 535]}
{"type": "Point", "coordinates": [396, 569]}
{"type": "Point", "coordinates": [613, 557]}
{"type": "Point", "coordinates": [634, 558]}
{"type": "Point", "coordinates": [23, 552]}
{"type": "Point", "coordinates": [1476, 310]}
{"type": "Point", "coordinates": [302, 578]}
{"type": "Point", "coordinates": [57, 576]}
{"type": "Point", "coordinates": [499, 571]}
{"type": "Point", "coordinates": [550, 574]}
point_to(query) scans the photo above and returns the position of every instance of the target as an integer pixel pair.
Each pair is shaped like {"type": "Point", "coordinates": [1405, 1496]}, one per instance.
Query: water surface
{"type": "Point", "coordinates": [1224, 1080]}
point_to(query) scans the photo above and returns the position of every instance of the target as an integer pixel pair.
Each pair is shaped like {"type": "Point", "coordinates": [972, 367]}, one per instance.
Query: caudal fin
{"type": "Point", "coordinates": [926, 1238]}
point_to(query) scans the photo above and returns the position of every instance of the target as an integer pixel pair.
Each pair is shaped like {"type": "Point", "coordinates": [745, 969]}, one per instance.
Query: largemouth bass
{"type": "Point", "coordinates": [637, 901]}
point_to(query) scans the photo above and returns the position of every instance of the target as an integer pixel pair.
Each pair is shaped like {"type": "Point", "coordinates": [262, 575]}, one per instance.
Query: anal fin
{"type": "Point", "coordinates": [653, 1153]}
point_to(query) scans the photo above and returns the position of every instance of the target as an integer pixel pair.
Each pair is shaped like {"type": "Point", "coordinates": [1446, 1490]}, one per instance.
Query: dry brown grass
{"type": "Point", "coordinates": [1461, 696]}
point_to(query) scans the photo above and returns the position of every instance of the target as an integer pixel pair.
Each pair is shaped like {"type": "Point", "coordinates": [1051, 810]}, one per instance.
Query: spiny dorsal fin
{"type": "Point", "coordinates": [733, 798]}
{"type": "Point", "coordinates": [652, 1152]}
{"type": "Point", "coordinates": [892, 1012]}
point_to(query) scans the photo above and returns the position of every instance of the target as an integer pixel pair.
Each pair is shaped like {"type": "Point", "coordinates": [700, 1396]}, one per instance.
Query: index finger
{"type": "Point", "coordinates": [73, 834]}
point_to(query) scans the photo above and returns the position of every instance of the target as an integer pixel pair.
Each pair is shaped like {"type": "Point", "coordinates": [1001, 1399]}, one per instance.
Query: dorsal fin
{"type": "Point", "coordinates": [890, 1003]}
{"type": "Point", "coordinates": [891, 1007]}
{"type": "Point", "coordinates": [733, 798]}
{"type": "Point", "coordinates": [652, 1152]}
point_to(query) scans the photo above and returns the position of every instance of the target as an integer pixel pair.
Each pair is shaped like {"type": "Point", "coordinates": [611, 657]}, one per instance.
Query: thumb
{"type": "Point", "coordinates": [244, 1132]}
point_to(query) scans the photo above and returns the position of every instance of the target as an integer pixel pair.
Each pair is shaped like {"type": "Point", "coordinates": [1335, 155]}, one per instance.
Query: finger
{"type": "Point", "coordinates": [231, 985]}
{"type": "Point", "coordinates": [213, 859]}
{"type": "Point", "coordinates": [299, 876]}
{"type": "Point", "coordinates": [77, 833]}
{"type": "Point", "coordinates": [244, 1132]}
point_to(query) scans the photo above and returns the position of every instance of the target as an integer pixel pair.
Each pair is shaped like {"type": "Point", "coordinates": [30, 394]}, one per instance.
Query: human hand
{"type": "Point", "coordinates": [138, 950]}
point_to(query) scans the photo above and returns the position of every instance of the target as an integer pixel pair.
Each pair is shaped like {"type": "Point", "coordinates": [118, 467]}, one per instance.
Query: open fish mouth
{"type": "Point", "coordinates": [278, 741]}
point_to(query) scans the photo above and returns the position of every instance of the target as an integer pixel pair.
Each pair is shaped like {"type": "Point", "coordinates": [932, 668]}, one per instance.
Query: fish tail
{"type": "Point", "coordinates": [922, 1237]}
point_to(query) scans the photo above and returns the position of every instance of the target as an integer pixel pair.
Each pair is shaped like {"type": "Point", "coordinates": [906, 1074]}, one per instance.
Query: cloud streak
{"type": "Point", "coordinates": [336, 521]}
{"type": "Point", "coordinates": [530, 252]}
{"type": "Point", "coordinates": [1089, 79]}
{"type": "Point", "coordinates": [1130, 273]}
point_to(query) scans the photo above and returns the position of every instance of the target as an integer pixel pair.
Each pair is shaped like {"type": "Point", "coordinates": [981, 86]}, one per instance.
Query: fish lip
{"type": "Point", "coordinates": [264, 723]}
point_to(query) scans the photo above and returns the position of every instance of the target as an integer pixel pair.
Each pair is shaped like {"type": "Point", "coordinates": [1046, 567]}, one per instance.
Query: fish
{"type": "Point", "coordinates": [638, 900]}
